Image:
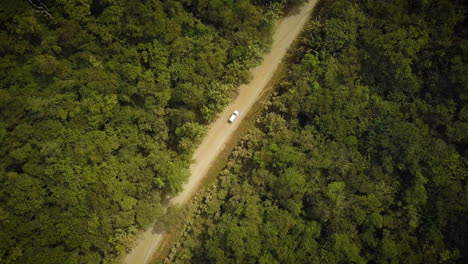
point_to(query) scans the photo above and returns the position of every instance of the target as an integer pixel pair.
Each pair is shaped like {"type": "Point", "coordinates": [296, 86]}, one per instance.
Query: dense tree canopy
{"type": "Point", "coordinates": [101, 105]}
{"type": "Point", "coordinates": [362, 157]}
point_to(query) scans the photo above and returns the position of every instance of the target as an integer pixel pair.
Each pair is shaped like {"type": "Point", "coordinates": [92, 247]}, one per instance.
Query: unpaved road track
{"type": "Point", "coordinates": [220, 131]}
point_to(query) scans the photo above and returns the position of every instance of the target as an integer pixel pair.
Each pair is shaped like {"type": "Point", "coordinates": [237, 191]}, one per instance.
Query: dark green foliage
{"type": "Point", "coordinates": [362, 157]}
{"type": "Point", "coordinates": [101, 106]}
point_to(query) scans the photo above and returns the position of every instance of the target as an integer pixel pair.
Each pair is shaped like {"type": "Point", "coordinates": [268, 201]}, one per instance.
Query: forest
{"type": "Point", "coordinates": [361, 156]}
{"type": "Point", "coordinates": [101, 105]}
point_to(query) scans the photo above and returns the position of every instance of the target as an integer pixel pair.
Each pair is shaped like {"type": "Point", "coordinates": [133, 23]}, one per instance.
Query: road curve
{"type": "Point", "coordinates": [220, 131]}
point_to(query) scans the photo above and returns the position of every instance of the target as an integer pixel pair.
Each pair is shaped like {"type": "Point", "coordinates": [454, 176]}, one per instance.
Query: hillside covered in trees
{"type": "Point", "coordinates": [362, 157]}
{"type": "Point", "coordinates": [101, 105]}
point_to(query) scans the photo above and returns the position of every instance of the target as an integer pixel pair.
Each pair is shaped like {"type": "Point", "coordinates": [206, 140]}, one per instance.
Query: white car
{"type": "Point", "coordinates": [233, 116]}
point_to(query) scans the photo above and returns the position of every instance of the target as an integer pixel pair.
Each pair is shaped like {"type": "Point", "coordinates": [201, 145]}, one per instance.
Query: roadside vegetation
{"type": "Point", "coordinates": [102, 103]}
{"type": "Point", "coordinates": [362, 157]}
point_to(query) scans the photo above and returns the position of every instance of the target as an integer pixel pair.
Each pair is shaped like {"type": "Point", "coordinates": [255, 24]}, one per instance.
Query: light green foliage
{"type": "Point", "coordinates": [346, 249]}
{"type": "Point", "coordinates": [389, 249]}
{"type": "Point", "coordinates": [217, 97]}
{"type": "Point", "coordinates": [335, 190]}
{"type": "Point", "coordinates": [101, 107]}
{"type": "Point", "coordinates": [361, 158]}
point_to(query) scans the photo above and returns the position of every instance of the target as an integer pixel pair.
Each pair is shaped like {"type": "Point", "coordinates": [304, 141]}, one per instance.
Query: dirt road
{"type": "Point", "coordinates": [220, 131]}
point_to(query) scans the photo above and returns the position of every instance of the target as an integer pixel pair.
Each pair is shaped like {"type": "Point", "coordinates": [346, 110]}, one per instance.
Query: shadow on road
{"type": "Point", "coordinates": [159, 228]}
{"type": "Point", "coordinates": [294, 10]}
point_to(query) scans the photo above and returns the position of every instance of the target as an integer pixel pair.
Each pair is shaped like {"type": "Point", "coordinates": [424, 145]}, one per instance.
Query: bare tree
{"type": "Point", "coordinates": [40, 7]}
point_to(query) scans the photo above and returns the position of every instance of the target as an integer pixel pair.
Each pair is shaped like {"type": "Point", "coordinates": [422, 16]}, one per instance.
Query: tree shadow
{"type": "Point", "coordinates": [295, 9]}
{"type": "Point", "coordinates": [160, 228]}
{"type": "Point", "coordinates": [172, 219]}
